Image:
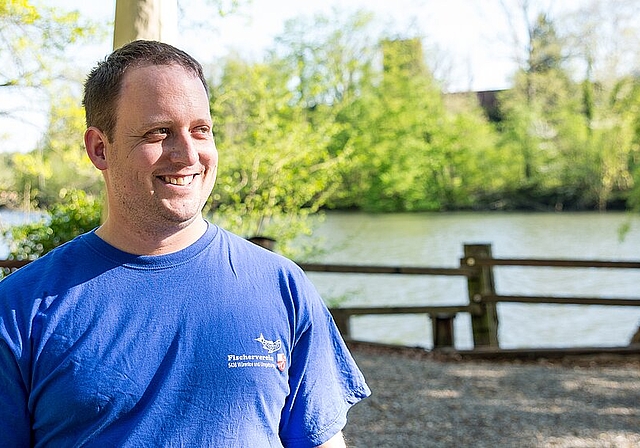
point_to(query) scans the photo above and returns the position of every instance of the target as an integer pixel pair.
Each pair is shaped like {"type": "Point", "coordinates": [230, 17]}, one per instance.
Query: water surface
{"type": "Point", "coordinates": [437, 239]}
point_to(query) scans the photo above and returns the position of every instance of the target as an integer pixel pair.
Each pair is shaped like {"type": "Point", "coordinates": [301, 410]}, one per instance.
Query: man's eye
{"type": "Point", "coordinates": [202, 129]}
{"type": "Point", "coordinates": [158, 133]}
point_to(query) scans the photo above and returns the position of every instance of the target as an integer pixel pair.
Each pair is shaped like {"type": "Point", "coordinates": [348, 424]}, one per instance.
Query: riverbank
{"type": "Point", "coordinates": [423, 400]}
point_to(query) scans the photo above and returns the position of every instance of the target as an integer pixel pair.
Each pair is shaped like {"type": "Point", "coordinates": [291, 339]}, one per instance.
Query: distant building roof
{"type": "Point", "coordinates": [487, 99]}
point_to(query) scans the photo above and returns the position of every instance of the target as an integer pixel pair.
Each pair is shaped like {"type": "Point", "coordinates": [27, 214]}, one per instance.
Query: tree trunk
{"type": "Point", "coordinates": [145, 19]}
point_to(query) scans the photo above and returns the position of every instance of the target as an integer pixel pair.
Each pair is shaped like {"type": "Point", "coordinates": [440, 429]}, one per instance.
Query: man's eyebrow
{"type": "Point", "coordinates": [156, 124]}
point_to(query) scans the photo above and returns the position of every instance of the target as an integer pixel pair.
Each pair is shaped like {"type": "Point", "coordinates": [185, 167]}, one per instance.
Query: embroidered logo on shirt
{"type": "Point", "coordinates": [267, 360]}
{"type": "Point", "coordinates": [269, 346]}
{"type": "Point", "coordinates": [281, 362]}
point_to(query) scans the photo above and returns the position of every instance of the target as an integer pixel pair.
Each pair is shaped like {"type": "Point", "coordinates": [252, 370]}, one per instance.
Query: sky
{"type": "Point", "coordinates": [468, 31]}
{"type": "Point", "coordinates": [470, 37]}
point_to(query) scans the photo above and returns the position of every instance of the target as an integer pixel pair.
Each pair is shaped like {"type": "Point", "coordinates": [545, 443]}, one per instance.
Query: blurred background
{"type": "Point", "coordinates": [371, 132]}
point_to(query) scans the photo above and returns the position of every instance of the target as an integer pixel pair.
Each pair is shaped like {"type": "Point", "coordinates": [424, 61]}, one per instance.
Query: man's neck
{"type": "Point", "coordinates": [139, 241]}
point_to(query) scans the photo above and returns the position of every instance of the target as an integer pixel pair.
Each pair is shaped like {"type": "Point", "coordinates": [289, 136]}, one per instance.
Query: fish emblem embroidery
{"type": "Point", "coordinates": [269, 346]}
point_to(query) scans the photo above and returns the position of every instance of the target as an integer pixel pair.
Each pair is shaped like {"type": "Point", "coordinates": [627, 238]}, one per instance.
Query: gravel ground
{"type": "Point", "coordinates": [420, 400]}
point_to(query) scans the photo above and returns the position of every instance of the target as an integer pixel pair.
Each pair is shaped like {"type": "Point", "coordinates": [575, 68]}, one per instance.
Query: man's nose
{"type": "Point", "coordinates": [183, 149]}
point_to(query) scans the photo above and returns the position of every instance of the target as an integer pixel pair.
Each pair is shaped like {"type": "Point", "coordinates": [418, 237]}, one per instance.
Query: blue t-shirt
{"type": "Point", "coordinates": [222, 344]}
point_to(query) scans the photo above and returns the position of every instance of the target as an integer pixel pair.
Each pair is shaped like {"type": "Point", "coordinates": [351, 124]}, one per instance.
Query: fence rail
{"type": "Point", "coordinates": [375, 269]}
{"type": "Point", "coordinates": [13, 264]}
{"type": "Point", "coordinates": [604, 301]}
{"type": "Point", "coordinates": [477, 267]}
{"type": "Point", "coordinates": [559, 263]}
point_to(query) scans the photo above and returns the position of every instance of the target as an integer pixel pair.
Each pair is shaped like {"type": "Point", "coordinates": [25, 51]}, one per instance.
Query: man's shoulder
{"type": "Point", "coordinates": [253, 245]}
{"type": "Point", "coordinates": [59, 259]}
{"type": "Point", "coordinates": [255, 253]}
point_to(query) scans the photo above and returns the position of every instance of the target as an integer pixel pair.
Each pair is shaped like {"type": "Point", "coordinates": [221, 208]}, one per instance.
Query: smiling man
{"type": "Point", "coordinates": [160, 165]}
{"type": "Point", "coordinates": [159, 328]}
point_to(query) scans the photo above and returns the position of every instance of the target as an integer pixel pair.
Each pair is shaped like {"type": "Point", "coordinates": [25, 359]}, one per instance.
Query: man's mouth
{"type": "Point", "coordinates": [177, 180]}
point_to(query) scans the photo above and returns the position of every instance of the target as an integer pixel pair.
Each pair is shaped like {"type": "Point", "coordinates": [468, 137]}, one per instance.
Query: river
{"type": "Point", "coordinates": [437, 239]}
{"type": "Point", "coordinates": [10, 218]}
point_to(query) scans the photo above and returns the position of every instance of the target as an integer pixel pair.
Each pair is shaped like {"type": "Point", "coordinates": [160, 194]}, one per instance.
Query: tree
{"type": "Point", "coordinates": [575, 142]}
{"type": "Point", "coordinates": [75, 213]}
{"type": "Point", "coordinates": [620, 134]}
{"type": "Point", "coordinates": [33, 45]}
{"type": "Point", "coordinates": [605, 39]}
{"type": "Point", "coordinates": [544, 118]}
{"type": "Point", "coordinates": [59, 162]}
{"type": "Point", "coordinates": [8, 194]}
{"type": "Point", "coordinates": [404, 150]}
{"type": "Point", "coordinates": [275, 167]}
{"type": "Point", "coordinates": [33, 40]}
{"type": "Point", "coordinates": [411, 152]}
{"type": "Point", "coordinates": [328, 57]}
{"type": "Point", "coordinates": [330, 62]}
{"type": "Point", "coordinates": [406, 155]}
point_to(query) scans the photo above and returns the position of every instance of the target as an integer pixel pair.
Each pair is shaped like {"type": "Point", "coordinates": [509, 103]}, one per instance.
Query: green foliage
{"type": "Point", "coordinates": [74, 214]}
{"type": "Point", "coordinates": [330, 66]}
{"type": "Point", "coordinates": [410, 152]}
{"type": "Point", "coordinates": [34, 60]}
{"type": "Point", "coordinates": [626, 105]}
{"type": "Point", "coordinates": [275, 166]}
{"type": "Point", "coordinates": [8, 195]}
{"type": "Point", "coordinates": [328, 58]}
{"type": "Point", "coordinates": [397, 143]}
{"type": "Point", "coordinates": [60, 162]}
{"type": "Point", "coordinates": [34, 37]}
{"type": "Point", "coordinates": [575, 141]}
{"type": "Point", "coordinates": [337, 116]}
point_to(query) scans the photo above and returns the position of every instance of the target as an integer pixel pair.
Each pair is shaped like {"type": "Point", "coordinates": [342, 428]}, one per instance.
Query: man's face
{"type": "Point", "coordinates": [162, 163]}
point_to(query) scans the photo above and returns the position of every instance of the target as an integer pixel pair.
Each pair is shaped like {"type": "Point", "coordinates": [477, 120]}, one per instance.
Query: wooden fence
{"type": "Point", "coordinates": [477, 266]}
{"type": "Point", "coordinates": [8, 266]}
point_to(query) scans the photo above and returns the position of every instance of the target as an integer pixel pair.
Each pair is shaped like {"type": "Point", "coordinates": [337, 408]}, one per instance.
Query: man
{"type": "Point", "coordinates": [159, 328]}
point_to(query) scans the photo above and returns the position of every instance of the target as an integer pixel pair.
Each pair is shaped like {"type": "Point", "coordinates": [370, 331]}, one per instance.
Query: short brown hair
{"type": "Point", "coordinates": [103, 85]}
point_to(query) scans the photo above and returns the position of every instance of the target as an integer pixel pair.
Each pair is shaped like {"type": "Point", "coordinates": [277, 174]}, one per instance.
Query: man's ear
{"type": "Point", "coordinates": [95, 142]}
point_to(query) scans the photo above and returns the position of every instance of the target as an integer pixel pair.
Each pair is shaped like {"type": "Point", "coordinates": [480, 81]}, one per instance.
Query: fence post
{"type": "Point", "coordinates": [442, 327]}
{"type": "Point", "coordinates": [342, 320]}
{"type": "Point", "coordinates": [485, 323]}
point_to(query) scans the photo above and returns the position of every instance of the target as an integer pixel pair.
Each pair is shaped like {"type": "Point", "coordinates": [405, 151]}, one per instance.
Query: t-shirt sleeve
{"type": "Point", "coordinates": [324, 379]}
